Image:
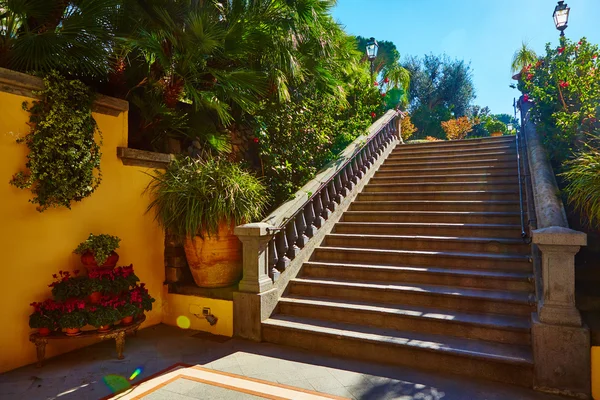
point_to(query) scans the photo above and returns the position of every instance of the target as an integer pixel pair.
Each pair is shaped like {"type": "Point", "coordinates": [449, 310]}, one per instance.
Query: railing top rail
{"type": "Point", "coordinates": [302, 197]}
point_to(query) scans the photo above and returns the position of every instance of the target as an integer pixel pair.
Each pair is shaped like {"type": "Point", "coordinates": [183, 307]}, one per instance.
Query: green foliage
{"type": "Point", "coordinates": [37, 320]}
{"type": "Point", "coordinates": [440, 89]}
{"type": "Point", "coordinates": [565, 87]}
{"type": "Point", "coordinates": [523, 57]}
{"type": "Point", "coordinates": [583, 190]}
{"type": "Point", "coordinates": [129, 310]}
{"type": "Point", "coordinates": [69, 288]}
{"type": "Point", "coordinates": [493, 125]}
{"type": "Point", "coordinates": [99, 245]}
{"type": "Point", "coordinates": [63, 164]}
{"type": "Point", "coordinates": [193, 196]}
{"type": "Point", "coordinates": [296, 139]}
{"type": "Point", "coordinates": [98, 316]}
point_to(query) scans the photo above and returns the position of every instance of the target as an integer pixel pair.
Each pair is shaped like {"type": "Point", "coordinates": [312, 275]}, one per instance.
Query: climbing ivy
{"type": "Point", "coordinates": [63, 164]}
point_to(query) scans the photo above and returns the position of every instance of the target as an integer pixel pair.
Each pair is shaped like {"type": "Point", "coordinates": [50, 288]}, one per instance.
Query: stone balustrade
{"type": "Point", "coordinates": [272, 245]}
{"type": "Point", "coordinates": [561, 342]}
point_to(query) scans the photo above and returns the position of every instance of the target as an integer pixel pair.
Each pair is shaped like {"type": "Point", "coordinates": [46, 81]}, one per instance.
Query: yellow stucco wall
{"type": "Point", "coordinates": [35, 245]}
{"type": "Point", "coordinates": [176, 305]}
{"type": "Point", "coordinates": [596, 372]}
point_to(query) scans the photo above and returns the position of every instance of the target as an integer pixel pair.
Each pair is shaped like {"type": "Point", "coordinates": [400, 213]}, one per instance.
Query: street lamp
{"type": "Point", "coordinates": [372, 48]}
{"type": "Point", "coordinates": [561, 16]}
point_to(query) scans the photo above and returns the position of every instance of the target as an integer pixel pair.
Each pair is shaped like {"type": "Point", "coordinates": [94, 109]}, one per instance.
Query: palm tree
{"type": "Point", "coordinates": [523, 57]}
{"type": "Point", "coordinates": [72, 36]}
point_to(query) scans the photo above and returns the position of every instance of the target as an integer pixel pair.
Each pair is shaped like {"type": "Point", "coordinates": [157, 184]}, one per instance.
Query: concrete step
{"type": "Point", "coordinates": [446, 297]}
{"type": "Point", "coordinates": [466, 144]}
{"type": "Point", "coordinates": [436, 205]}
{"type": "Point", "coordinates": [429, 242]}
{"type": "Point", "coordinates": [433, 216]}
{"type": "Point", "coordinates": [496, 361]}
{"type": "Point", "coordinates": [440, 171]}
{"type": "Point", "coordinates": [482, 279]}
{"type": "Point", "coordinates": [408, 157]}
{"type": "Point", "coordinates": [426, 164]}
{"type": "Point", "coordinates": [447, 195]}
{"type": "Point", "coordinates": [404, 150]}
{"type": "Point", "coordinates": [447, 229]}
{"type": "Point", "coordinates": [484, 177]}
{"type": "Point", "coordinates": [445, 259]}
{"type": "Point", "coordinates": [488, 327]}
{"type": "Point", "coordinates": [428, 186]}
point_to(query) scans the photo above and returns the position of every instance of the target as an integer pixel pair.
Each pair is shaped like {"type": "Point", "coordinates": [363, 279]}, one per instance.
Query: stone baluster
{"type": "Point", "coordinates": [301, 229]}
{"type": "Point", "coordinates": [272, 255]}
{"type": "Point", "coordinates": [346, 181]}
{"type": "Point", "coordinates": [332, 196]}
{"type": "Point", "coordinates": [325, 203]}
{"type": "Point", "coordinates": [339, 188]}
{"type": "Point", "coordinates": [318, 209]}
{"type": "Point", "coordinates": [370, 153]}
{"type": "Point", "coordinates": [356, 167]}
{"type": "Point", "coordinates": [291, 234]}
{"type": "Point", "coordinates": [282, 247]}
{"type": "Point", "coordinates": [309, 217]}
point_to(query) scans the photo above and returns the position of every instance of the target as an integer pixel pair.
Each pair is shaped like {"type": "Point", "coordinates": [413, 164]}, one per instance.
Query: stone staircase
{"type": "Point", "coordinates": [425, 269]}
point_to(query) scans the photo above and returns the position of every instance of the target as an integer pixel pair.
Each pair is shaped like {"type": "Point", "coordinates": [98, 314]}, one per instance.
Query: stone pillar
{"type": "Point", "coordinates": [561, 344]}
{"type": "Point", "coordinates": [252, 303]}
{"type": "Point", "coordinates": [175, 261]}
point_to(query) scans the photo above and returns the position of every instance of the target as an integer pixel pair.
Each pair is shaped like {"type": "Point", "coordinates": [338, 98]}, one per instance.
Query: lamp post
{"type": "Point", "coordinates": [372, 48]}
{"type": "Point", "coordinates": [561, 16]}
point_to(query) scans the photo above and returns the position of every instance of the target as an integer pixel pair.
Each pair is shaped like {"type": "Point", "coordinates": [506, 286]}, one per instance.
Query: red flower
{"type": "Point", "coordinates": [383, 94]}
{"type": "Point", "coordinates": [76, 272]}
{"type": "Point", "coordinates": [529, 77]}
{"type": "Point", "coordinates": [55, 276]}
{"type": "Point", "coordinates": [594, 56]}
{"type": "Point", "coordinates": [525, 97]}
{"type": "Point", "coordinates": [255, 140]}
{"type": "Point", "coordinates": [561, 50]}
{"type": "Point", "coordinates": [376, 83]}
{"type": "Point", "coordinates": [580, 43]}
{"type": "Point", "coordinates": [527, 68]}
{"type": "Point", "coordinates": [563, 84]}
{"type": "Point", "coordinates": [386, 80]}
{"type": "Point", "coordinates": [373, 115]}
{"type": "Point", "coordinates": [537, 64]}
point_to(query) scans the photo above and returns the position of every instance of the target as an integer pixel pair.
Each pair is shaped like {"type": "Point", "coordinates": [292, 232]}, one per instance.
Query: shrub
{"type": "Point", "coordinates": [45, 314]}
{"type": "Point", "coordinates": [583, 189]}
{"type": "Point", "coordinates": [63, 164]}
{"type": "Point", "coordinates": [66, 286]}
{"type": "Point", "coordinates": [98, 316]}
{"type": "Point", "coordinates": [73, 314]}
{"type": "Point", "coordinates": [458, 128]}
{"type": "Point", "coordinates": [99, 245]}
{"type": "Point", "coordinates": [193, 196]}
{"type": "Point", "coordinates": [493, 125]}
{"type": "Point", "coordinates": [407, 128]}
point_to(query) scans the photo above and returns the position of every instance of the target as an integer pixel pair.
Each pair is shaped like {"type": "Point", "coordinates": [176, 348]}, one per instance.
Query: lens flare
{"type": "Point", "coordinates": [137, 371]}
{"type": "Point", "coordinates": [183, 322]}
{"type": "Point", "coordinates": [116, 383]}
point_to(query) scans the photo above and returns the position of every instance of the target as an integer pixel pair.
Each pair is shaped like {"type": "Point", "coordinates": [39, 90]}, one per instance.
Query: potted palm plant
{"type": "Point", "coordinates": [98, 251]}
{"type": "Point", "coordinates": [202, 201]}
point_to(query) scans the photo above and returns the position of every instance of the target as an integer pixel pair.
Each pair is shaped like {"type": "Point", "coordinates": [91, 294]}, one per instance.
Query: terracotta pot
{"type": "Point", "coordinates": [44, 331]}
{"type": "Point", "coordinates": [88, 260]}
{"type": "Point", "coordinates": [127, 320]}
{"type": "Point", "coordinates": [215, 261]}
{"type": "Point", "coordinates": [496, 134]}
{"type": "Point", "coordinates": [104, 328]}
{"type": "Point", "coordinates": [95, 297]}
{"type": "Point", "coordinates": [72, 331]}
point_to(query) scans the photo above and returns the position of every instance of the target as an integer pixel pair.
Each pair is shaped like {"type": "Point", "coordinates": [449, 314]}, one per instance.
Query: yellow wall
{"type": "Point", "coordinates": [35, 245]}
{"type": "Point", "coordinates": [596, 372]}
{"type": "Point", "coordinates": [176, 305]}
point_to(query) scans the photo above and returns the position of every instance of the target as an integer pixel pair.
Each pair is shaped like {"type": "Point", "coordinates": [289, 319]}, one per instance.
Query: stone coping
{"type": "Point", "coordinates": [24, 85]}
{"type": "Point", "coordinates": [287, 209]}
{"type": "Point", "coordinates": [143, 158]}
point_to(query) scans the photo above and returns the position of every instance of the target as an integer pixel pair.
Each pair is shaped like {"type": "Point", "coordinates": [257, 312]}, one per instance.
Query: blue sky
{"type": "Point", "coordinates": [484, 32]}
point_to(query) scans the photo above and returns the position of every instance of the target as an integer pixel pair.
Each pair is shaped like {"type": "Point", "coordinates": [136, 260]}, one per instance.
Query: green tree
{"type": "Point", "coordinates": [440, 88]}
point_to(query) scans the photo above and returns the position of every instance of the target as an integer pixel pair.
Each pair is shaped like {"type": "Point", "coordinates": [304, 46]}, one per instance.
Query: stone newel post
{"type": "Point", "coordinates": [255, 239]}
{"type": "Point", "coordinates": [561, 343]}
{"type": "Point", "coordinates": [559, 246]}
{"type": "Point", "coordinates": [256, 297]}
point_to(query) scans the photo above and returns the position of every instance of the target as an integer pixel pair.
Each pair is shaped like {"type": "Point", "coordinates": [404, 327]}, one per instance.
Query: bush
{"type": "Point", "coordinates": [583, 189]}
{"type": "Point", "coordinates": [193, 197]}
{"type": "Point", "coordinates": [493, 125]}
{"type": "Point", "coordinates": [63, 164]}
{"type": "Point", "coordinates": [407, 128]}
{"type": "Point", "coordinates": [458, 128]}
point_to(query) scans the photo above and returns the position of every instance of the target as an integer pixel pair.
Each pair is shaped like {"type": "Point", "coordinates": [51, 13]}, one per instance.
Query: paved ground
{"type": "Point", "coordinates": [79, 374]}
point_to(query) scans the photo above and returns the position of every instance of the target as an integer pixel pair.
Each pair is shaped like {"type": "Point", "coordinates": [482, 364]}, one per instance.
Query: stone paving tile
{"type": "Point", "coordinates": [78, 375]}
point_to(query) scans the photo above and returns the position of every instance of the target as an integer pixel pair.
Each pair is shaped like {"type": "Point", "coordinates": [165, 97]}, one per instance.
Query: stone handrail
{"type": "Point", "coordinates": [270, 245]}
{"type": "Point", "coordinates": [560, 340]}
